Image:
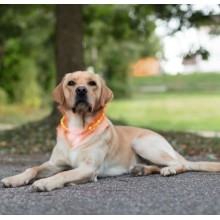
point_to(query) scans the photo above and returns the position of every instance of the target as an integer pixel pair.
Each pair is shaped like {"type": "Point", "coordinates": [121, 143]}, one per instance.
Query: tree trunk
{"type": "Point", "coordinates": [69, 38]}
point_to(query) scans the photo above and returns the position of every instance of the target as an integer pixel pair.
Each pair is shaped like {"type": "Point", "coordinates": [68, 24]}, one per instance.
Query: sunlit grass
{"type": "Point", "coordinates": [197, 82]}
{"type": "Point", "coordinates": [179, 112]}
{"type": "Point", "coordinates": [182, 112]}
{"type": "Point", "coordinates": [16, 114]}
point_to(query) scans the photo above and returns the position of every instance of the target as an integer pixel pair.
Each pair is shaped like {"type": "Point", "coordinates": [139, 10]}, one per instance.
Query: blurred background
{"type": "Point", "coordinates": [161, 61]}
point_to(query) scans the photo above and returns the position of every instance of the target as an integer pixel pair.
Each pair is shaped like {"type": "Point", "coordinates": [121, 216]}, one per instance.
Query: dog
{"type": "Point", "coordinates": [90, 146]}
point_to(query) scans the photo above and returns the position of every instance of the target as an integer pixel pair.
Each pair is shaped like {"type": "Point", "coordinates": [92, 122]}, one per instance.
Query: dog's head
{"type": "Point", "coordinates": [83, 92]}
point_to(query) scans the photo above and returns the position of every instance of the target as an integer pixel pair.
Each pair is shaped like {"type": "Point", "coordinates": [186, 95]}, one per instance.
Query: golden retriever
{"type": "Point", "coordinates": [89, 146]}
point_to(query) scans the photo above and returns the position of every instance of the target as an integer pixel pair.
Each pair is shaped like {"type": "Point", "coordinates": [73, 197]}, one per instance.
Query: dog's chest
{"type": "Point", "coordinates": [74, 157]}
{"type": "Point", "coordinates": [81, 153]}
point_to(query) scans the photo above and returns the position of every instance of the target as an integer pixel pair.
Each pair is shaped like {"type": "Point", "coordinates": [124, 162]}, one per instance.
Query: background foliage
{"type": "Point", "coordinates": [115, 36]}
{"type": "Point", "coordinates": [26, 53]}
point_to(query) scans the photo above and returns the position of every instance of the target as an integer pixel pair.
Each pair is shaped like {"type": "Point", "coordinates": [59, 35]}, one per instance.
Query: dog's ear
{"type": "Point", "coordinates": [106, 94]}
{"type": "Point", "coordinates": [58, 94]}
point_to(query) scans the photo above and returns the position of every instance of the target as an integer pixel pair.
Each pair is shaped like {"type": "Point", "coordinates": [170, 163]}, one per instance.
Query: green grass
{"type": "Point", "coordinates": [198, 82]}
{"type": "Point", "coordinates": [190, 103]}
{"type": "Point", "coordinates": [167, 111]}
{"type": "Point", "coordinates": [16, 114]}
{"type": "Point", "coordinates": [179, 112]}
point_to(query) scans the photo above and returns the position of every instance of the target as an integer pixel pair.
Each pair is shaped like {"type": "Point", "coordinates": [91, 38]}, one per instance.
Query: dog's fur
{"type": "Point", "coordinates": [113, 151]}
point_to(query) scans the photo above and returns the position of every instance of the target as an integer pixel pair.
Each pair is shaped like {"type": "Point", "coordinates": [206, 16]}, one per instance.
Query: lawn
{"type": "Point", "coordinates": [187, 103]}
{"type": "Point", "coordinates": [197, 82]}
{"type": "Point", "coordinates": [170, 111]}
{"type": "Point", "coordinates": [17, 114]}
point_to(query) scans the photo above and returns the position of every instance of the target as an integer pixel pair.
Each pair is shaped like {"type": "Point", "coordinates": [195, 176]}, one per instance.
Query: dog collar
{"type": "Point", "coordinates": [91, 126]}
{"type": "Point", "coordinates": [75, 136]}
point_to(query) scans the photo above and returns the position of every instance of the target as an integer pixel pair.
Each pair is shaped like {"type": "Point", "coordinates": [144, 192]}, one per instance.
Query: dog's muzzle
{"type": "Point", "coordinates": [81, 100]}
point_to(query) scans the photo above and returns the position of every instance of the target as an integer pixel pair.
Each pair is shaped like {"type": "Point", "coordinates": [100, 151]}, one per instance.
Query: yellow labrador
{"type": "Point", "coordinates": [89, 146]}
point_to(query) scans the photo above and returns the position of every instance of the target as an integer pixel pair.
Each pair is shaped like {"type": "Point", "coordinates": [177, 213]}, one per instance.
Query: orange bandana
{"type": "Point", "coordinates": [76, 136]}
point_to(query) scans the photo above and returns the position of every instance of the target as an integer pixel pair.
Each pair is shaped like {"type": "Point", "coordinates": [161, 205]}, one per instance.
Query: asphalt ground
{"type": "Point", "coordinates": [188, 193]}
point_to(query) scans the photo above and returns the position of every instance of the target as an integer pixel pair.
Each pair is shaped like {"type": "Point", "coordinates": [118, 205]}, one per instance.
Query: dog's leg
{"type": "Point", "coordinates": [158, 151]}
{"type": "Point", "coordinates": [143, 170]}
{"type": "Point", "coordinates": [55, 165]}
{"type": "Point", "coordinates": [44, 170]}
{"type": "Point", "coordinates": [81, 174]}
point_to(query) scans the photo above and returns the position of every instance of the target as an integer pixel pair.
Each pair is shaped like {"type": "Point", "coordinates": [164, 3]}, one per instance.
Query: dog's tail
{"type": "Point", "coordinates": [202, 166]}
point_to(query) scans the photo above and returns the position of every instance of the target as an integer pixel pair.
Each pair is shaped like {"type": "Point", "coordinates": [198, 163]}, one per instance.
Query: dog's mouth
{"type": "Point", "coordinates": [82, 106]}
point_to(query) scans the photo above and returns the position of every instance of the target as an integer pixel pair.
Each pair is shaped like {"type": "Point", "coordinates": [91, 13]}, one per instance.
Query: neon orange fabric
{"type": "Point", "coordinates": [76, 136]}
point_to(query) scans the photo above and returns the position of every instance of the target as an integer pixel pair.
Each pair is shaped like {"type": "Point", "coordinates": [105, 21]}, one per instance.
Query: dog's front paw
{"type": "Point", "coordinates": [14, 181]}
{"type": "Point", "coordinates": [46, 185]}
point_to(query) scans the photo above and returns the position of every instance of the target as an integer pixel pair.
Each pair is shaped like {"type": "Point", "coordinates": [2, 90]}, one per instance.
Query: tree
{"type": "Point", "coordinates": [69, 39]}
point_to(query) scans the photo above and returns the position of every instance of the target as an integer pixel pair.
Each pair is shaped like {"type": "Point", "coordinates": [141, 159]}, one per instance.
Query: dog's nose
{"type": "Point", "coordinates": [81, 90]}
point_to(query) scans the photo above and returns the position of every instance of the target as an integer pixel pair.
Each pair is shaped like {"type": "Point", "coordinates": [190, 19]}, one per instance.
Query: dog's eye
{"type": "Point", "coordinates": [71, 83]}
{"type": "Point", "coordinates": [92, 83]}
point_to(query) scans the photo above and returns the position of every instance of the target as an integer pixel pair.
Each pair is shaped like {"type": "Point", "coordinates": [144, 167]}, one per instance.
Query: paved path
{"type": "Point", "coordinates": [188, 193]}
